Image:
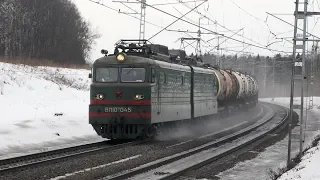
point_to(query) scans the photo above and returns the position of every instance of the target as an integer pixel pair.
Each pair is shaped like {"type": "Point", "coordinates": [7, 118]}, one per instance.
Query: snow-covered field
{"type": "Point", "coordinates": [42, 107]}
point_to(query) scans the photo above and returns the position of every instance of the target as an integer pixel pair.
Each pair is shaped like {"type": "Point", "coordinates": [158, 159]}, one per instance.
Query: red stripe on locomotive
{"type": "Point", "coordinates": [131, 114]}
{"type": "Point", "coordinates": [121, 102]}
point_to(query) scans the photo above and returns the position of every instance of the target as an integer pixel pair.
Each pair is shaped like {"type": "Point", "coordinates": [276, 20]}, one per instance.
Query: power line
{"type": "Point", "coordinates": [113, 9]}
{"type": "Point", "coordinates": [216, 22]}
{"type": "Point", "coordinates": [261, 47]}
{"type": "Point", "coordinates": [258, 19]}
{"type": "Point", "coordinates": [246, 11]}
{"type": "Point", "coordinates": [291, 24]}
{"type": "Point", "coordinates": [176, 20]}
{"type": "Point", "coordinates": [225, 40]}
{"type": "Point", "coordinates": [161, 4]}
{"type": "Point", "coordinates": [101, 4]}
{"type": "Point", "coordinates": [195, 32]}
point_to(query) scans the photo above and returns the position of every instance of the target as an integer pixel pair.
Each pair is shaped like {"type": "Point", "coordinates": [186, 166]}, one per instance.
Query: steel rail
{"type": "Point", "coordinates": [31, 160]}
{"type": "Point", "coordinates": [228, 152]}
{"type": "Point", "coordinates": [173, 158]}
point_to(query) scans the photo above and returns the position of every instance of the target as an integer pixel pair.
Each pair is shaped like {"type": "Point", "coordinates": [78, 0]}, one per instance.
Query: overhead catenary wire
{"type": "Point", "coordinates": [216, 22]}
{"type": "Point", "coordinates": [258, 19]}
{"type": "Point", "coordinates": [172, 3]}
{"type": "Point", "coordinates": [195, 32]}
{"type": "Point", "coordinates": [246, 11]}
{"type": "Point", "coordinates": [292, 25]}
{"type": "Point", "coordinates": [225, 40]}
{"type": "Point", "coordinates": [261, 47]}
{"type": "Point", "coordinates": [116, 10]}
{"type": "Point", "coordinates": [113, 9]}
{"type": "Point", "coordinates": [136, 12]}
{"type": "Point", "coordinates": [176, 20]}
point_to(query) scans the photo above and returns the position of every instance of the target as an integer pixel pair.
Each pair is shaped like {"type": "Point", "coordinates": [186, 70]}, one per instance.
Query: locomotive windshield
{"type": "Point", "coordinates": [111, 74]}
{"type": "Point", "coordinates": [133, 74]}
{"type": "Point", "coordinates": [107, 75]}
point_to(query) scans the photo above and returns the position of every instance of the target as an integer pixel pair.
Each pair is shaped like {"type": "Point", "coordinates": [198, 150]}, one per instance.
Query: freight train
{"type": "Point", "coordinates": [142, 87]}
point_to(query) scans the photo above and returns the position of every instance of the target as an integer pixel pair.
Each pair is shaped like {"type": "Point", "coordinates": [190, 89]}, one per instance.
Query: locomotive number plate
{"type": "Point", "coordinates": [117, 109]}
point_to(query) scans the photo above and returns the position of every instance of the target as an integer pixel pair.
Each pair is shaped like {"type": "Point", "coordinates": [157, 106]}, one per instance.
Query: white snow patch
{"type": "Point", "coordinates": [42, 105]}
{"type": "Point", "coordinates": [275, 156]}
{"type": "Point", "coordinates": [308, 168]}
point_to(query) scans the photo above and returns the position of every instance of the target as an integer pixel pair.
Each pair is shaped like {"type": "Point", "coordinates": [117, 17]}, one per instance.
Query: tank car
{"type": "Point", "coordinates": [221, 84]}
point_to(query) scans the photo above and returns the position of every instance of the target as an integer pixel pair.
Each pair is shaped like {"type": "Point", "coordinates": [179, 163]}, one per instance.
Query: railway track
{"type": "Point", "coordinates": [32, 160]}
{"type": "Point", "coordinates": [173, 166]}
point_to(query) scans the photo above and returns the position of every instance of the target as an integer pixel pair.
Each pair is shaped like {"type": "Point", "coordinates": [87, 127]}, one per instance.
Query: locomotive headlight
{"type": "Point", "coordinates": [121, 57]}
{"type": "Point", "coordinates": [99, 96]}
{"type": "Point", "coordinates": [138, 97]}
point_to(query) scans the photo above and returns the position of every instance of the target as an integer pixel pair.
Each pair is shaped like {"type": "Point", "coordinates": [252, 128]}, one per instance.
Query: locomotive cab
{"type": "Point", "coordinates": [120, 96]}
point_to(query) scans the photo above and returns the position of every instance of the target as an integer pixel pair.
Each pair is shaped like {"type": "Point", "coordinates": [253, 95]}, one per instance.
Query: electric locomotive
{"type": "Point", "coordinates": [142, 87]}
{"type": "Point", "coordinates": [137, 89]}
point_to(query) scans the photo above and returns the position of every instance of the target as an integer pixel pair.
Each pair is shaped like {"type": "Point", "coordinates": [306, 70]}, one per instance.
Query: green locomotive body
{"type": "Point", "coordinates": [124, 106]}
{"type": "Point", "coordinates": [135, 91]}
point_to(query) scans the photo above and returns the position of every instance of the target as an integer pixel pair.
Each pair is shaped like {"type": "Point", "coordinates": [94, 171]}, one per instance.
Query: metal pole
{"type": "Point", "coordinates": [254, 66]}
{"type": "Point", "coordinates": [273, 76]}
{"type": "Point", "coordinates": [303, 74]}
{"type": "Point", "coordinates": [142, 20]}
{"type": "Point", "coordinates": [218, 53]}
{"type": "Point", "coordinates": [292, 84]}
{"type": "Point", "coordinates": [199, 36]}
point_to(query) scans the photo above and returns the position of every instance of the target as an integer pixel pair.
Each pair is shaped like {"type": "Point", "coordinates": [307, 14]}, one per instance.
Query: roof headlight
{"type": "Point", "coordinates": [121, 57]}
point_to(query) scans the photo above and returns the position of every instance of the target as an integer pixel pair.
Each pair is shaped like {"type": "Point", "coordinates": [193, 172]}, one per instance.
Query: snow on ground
{"type": "Point", "coordinates": [44, 108]}
{"type": "Point", "coordinates": [275, 156]}
{"type": "Point", "coordinates": [308, 168]}
{"type": "Point", "coordinates": [42, 105]}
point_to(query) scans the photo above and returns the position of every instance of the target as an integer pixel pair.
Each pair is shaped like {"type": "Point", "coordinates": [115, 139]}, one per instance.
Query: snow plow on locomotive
{"type": "Point", "coordinates": [142, 87]}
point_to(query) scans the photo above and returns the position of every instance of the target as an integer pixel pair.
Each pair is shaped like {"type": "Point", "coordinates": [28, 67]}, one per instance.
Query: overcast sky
{"type": "Point", "coordinates": [232, 14]}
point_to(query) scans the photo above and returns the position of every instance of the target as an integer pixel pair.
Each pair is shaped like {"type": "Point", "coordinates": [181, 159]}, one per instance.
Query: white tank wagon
{"type": "Point", "coordinates": [221, 84]}
{"type": "Point", "coordinates": [228, 84]}
{"type": "Point", "coordinates": [255, 87]}
{"type": "Point", "coordinates": [241, 81]}
{"type": "Point", "coordinates": [250, 84]}
{"type": "Point", "coordinates": [232, 85]}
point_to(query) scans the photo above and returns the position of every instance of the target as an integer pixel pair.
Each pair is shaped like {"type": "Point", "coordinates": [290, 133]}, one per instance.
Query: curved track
{"type": "Point", "coordinates": [9, 167]}
{"type": "Point", "coordinates": [172, 167]}
{"type": "Point", "coordinates": [29, 161]}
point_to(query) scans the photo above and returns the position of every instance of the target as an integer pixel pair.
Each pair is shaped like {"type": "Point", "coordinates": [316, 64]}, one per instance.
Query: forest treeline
{"type": "Point", "coordinates": [44, 29]}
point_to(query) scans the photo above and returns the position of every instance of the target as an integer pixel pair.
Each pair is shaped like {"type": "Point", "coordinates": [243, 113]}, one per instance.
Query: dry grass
{"type": "Point", "coordinates": [42, 62]}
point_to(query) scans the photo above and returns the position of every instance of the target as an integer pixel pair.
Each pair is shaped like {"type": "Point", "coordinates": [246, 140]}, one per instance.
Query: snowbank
{"type": "Point", "coordinates": [275, 156]}
{"type": "Point", "coordinates": [42, 105]}
{"type": "Point", "coordinates": [308, 167]}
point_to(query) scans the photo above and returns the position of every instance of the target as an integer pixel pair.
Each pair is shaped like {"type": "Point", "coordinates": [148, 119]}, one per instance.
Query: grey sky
{"type": "Point", "coordinates": [114, 26]}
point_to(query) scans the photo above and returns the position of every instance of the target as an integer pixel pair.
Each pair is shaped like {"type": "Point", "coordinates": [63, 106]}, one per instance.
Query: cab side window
{"type": "Point", "coordinates": [153, 75]}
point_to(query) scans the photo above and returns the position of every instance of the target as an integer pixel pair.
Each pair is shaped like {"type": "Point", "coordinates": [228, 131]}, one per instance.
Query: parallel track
{"type": "Point", "coordinates": [179, 156]}
{"type": "Point", "coordinates": [227, 152]}
{"type": "Point", "coordinates": [32, 160]}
